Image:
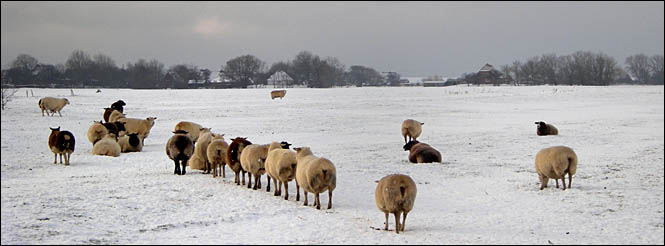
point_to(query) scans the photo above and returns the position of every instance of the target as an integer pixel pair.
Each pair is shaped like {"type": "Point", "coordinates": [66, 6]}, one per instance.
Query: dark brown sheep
{"type": "Point", "coordinates": [180, 148]}
{"type": "Point", "coordinates": [422, 152]}
{"type": "Point", "coordinates": [118, 105]}
{"type": "Point", "coordinates": [545, 129]}
{"type": "Point", "coordinates": [61, 142]}
{"type": "Point", "coordinates": [233, 157]}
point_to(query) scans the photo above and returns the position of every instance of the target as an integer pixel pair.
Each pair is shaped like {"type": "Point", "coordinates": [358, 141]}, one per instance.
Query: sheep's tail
{"type": "Point", "coordinates": [572, 164]}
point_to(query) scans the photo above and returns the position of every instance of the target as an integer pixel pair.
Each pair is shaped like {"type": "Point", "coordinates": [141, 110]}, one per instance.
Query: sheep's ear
{"type": "Point", "coordinates": [422, 123]}
{"type": "Point", "coordinates": [297, 149]}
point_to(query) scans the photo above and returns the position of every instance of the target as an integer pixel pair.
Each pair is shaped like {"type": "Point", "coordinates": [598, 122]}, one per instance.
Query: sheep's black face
{"type": "Point", "coordinates": [410, 144]}
{"type": "Point", "coordinates": [120, 102]}
{"type": "Point", "coordinates": [285, 145]}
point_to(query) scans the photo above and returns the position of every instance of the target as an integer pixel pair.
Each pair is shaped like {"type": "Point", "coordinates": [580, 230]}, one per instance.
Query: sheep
{"type": "Point", "coordinates": [216, 153]}
{"type": "Point", "coordinates": [315, 175]}
{"type": "Point", "coordinates": [180, 149]}
{"type": "Point", "coordinates": [281, 165]}
{"type": "Point", "coordinates": [412, 129]}
{"type": "Point", "coordinates": [107, 114]}
{"type": "Point", "coordinates": [422, 152]}
{"type": "Point", "coordinates": [118, 105]}
{"type": "Point", "coordinates": [192, 128]}
{"type": "Point", "coordinates": [252, 160]}
{"type": "Point", "coordinates": [233, 157]}
{"type": "Point", "coordinates": [117, 128]}
{"type": "Point", "coordinates": [201, 147]}
{"type": "Point", "coordinates": [115, 115]}
{"type": "Point", "coordinates": [96, 132]}
{"type": "Point", "coordinates": [52, 104]}
{"type": "Point", "coordinates": [277, 93]}
{"type": "Point", "coordinates": [554, 163]}
{"type": "Point", "coordinates": [544, 129]}
{"type": "Point", "coordinates": [107, 146]}
{"type": "Point", "coordinates": [130, 143]}
{"type": "Point", "coordinates": [61, 142]}
{"type": "Point", "coordinates": [395, 194]}
{"type": "Point", "coordinates": [140, 126]}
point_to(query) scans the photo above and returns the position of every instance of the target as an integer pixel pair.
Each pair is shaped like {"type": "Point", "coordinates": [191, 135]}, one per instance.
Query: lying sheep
{"type": "Point", "coordinates": [115, 115]}
{"type": "Point", "coordinates": [192, 128]}
{"type": "Point", "coordinates": [252, 160]}
{"type": "Point", "coordinates": [216, 153]}
{"type": "Point", "coordinates": [554, 163]}
{"type": "Point", "coordinates": [395, 194]}
{"type": "Point", "coordinates": [118, 105]}
{"type": "Point", "coordinates": [412, 129]}
{"type": "Point", "coordinates": [107, 114]}
{"type": "Point", "coordinates": [180, 149]}
{"type": "Point", "coordinates": [315, 175]}
{"type": "Point", "coordinates": [96, 132]}
{"type": "Point", "coordinates": [140, 126]}
{"type": "Point", "coordinates": [107, 146]}
{"type": "Point", "coordinates": [117, 128]}
{"type": "Point", "coordinates": [52, 104]}
{"type": "Point", "coordinates": [61, 142]}
{"type": "Point", "coordinates": [281, 166]}
{"type": "Point", "coordinates": [277, 93]}
{"type": "Point", "coordinates": [544, 129]}
{"type": "Point", "coordinates": [130, 143]}
{"type": "Point", "coordinates": [422, 152]}
{"type": "Point", "coordinates": [233, 157]}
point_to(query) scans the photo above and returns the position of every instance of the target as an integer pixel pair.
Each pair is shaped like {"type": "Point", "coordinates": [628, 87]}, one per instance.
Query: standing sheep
{"type": "Point", "coordinates": [192, 128]}
{"type": "Point", "coordinates": [118, 105]}
{"type": "Point", "coordinates": [216, 153]}
{"type": "Point", "coordinates": [281, 166]}
{"type": "Point", "coordinates": [96, 132]}
{"type": "Point", "coordinates": [107, 146]}
{"type": "Point", "coordinates": [52, 104]}
{"type": "Point", "coordinates": [140, 126]}
{"type": "Point", "coordinates": [253, 160]}
{"type": "Point", "coordinates": [395, 194]}
{"type": "Point", "coordinates": [554, 163]}
{"type": "Point", "coordinates": [277, 93]}
{"type": "Point", "coordinates": [315, 175]}
{"type": "Point", "coordinates": [422, 152]}
{"type": "Point", "coordinates": [201, 147]}
{"type": "Point", "coordinates": [180, 149]}
{"type": "Point", "coordinates": [544, 129]}
{"type": "Point", "coordinates": [61, 142]}
{"type": "Point", "coordinates": [412, 129]}
{"type": "Point", "coordinates": [233, 157]}
{"type": "Point", "coordinates": [130, 143]}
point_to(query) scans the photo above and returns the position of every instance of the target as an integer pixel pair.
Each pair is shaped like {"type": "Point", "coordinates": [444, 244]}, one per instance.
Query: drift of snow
{"type": "Point", "coordinates": [486, 190]}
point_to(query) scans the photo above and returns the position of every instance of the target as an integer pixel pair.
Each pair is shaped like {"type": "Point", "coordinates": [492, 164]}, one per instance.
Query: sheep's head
{"type": "Point", "coordinates": [151, 120]}
{"type": "Point", "coordinates": [541, 126]}
{"type": "Point", "coordinates": [410, 144]}
{"type": "Point", "coordinates": [66, 101]}
{"type": "Point", "coordinates": [120, 102]}
{"type": "Point", "coordinates": [285, 145]}
{"type": "Point", "coordinates": [55, 129]}
{"type": "Point", "coordinates": [303, 150]}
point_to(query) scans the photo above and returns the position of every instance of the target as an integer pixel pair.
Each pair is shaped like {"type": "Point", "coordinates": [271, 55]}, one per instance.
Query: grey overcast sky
{"type": "Point", "coordinates": [412, 38]}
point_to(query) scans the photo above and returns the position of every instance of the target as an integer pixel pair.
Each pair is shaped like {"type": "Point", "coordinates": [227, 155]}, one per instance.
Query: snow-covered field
{"type": "Point", "coordinates": [484, 192]}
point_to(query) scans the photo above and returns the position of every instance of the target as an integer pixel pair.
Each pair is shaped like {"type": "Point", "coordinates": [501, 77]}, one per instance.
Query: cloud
{"type": "Point", "coordinates": [210, 26]}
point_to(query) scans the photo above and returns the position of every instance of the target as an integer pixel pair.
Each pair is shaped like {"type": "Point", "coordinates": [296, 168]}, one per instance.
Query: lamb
{"type": "Point", "coordinates": [192, 128]}
{"type": "Point", "coordinates": [422, 152]}
{"type": "Point", "coordinates": [115, 115]}
{"type": "Point", "coordinates": [412, 129]}
{"type": "Point", "coordinates": [61, 142]}
{"type": "Point", "coordinates": [555, 162]}
{"type": "Point", "coordinates": [281, 165]}
{"type": "Point", "coordinates": [140, 126]}
{"type": "Point", "coordinates": [52, 104]}
{"type": "Point", "coordinates": [130, 143]}
{"type": "Point", "coordinates": [96, 132]}
{"type": "Point", "coordinates": [252, 160]}
{"type": "Point", "coordinates": [315, 175]}
{"type": "Point", "coordinates": [277, 93]}
{"type": "Point", "coordinates": [545, 129]}
{"type": "Point", "coordinates": [233, 157]}
{"type": "Point", "coordinates": [395, 194]}
{"type": "Point", "coordinates": [118, 105]}
{"type": "Point", "coordinates": [180, 149]}
{"type": "Point", "coordinates": [216, 154]}
{"type": "Point", "coordinates": [107, 146]}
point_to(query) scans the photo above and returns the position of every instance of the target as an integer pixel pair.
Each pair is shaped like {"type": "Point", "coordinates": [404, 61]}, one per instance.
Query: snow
{"type": "Point", "coordinates": [485, 191]}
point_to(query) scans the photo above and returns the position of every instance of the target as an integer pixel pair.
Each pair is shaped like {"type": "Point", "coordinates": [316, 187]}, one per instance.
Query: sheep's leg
{"type": "Point", "coordinates": [405, 142]}
{"type": "Point", "coordinates": [214, 172]}
{"type": "Point", "coordinates": [243, 177]}
{"type": "Point", "coordinates": [67, 155]}
{"type": "Point", "coordinates": [274, 182]}
{"type": "Point", "coordinates": [317, 202]}
{"type": "Point", "coordinates": [183, 163]}
{"type": "Point", "coordinates": [563, 181]}
{"type": "Point", "coordinates": [557, 183]}
{"type": "Point", "coordinates": [387, 215]}
{"type": "Point", "coordinates": [249, 179]}
{"type": "Point", "coordinates": [397, 225]}
{"type": "Point", "coordinates": [176, 170]}
{"type": "Point", "coordinates": [257, 178]}
{"type": "Point", "coordinates": [55, 158]}
{"type": "Point", "coordinates": [237, 179]}
{"type": "Point", "coordinates": [297, 191]}
{"type": "Point", "coordinates": [305, 194]}
{"type": "Point", "coordinates": [404, 221]}
{"type": "Point", "coordinates": [58, 113]}
{"type": "Point", "coordinates": [223, 171]}
{"type": "Point", "coordinates": [329, 199]}
{"type": "Point", "coordinates": [268, 186]}
{"type": "Point", "coordinates": [60, 158]}
{"type": "Point", "coordinates": [286, 190]}
{"type": "Point", "coordinates": [570, 180]}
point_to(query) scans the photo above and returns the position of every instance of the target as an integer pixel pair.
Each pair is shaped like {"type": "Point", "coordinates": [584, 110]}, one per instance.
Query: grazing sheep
{"type": "Point", "coordinates": [233, 157]}
{"type": "Point", "coordinates": [554, 163]}
{"type": "Point", "coordinates": [107, 146]}
{"type": "Point", "coordinates": [115, 115]}
{"type": "Point", "coordinates": [422, 152]}
{"type": "Point", "coordinates": [411, 128]}
{"type": "Point", "coordinates": [545, 129]}
{"type": "Point", "coordinates": [107, 114]}
{"type": "Point", "coordinates": [61, 142]}
{"type": "Point", "coordinates": [118, 105]}
{"type": "Point", "coordinates": [277, 93]}
{"type": "Point", "coordinates": [216, 153]}
{"type": "Point", "coordinates": [180, 149]}
{"type": "Point", "coordinates": [315, 175]}
{"type": "Point", "coordinates": [252, 160]}
{"type": "Point", "coordinates": [395, 194]}
{"type": "Point", "coordinates": [192, 128]}
{"type": "Point", "coordinates": [281, 166]}
{"type": "Point", "coordinates": [96, 132]}
{"type": "Point", "coordinates": [52, 104]}
{"type": "Point", "coordinates": [130, 143]}
{"type": "Point", "coordinates": [140, 126]}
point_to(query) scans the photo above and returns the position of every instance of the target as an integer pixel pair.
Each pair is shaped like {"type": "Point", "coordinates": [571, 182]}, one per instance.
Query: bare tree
{"type": "Point", "coordinates": [656, 68]}
{"type": "Point", "coordinates": [7, 95]}
{"type": "Point", "coordinates": [638, 66]}
{"type": "Point", "coordinates": [243, 70]}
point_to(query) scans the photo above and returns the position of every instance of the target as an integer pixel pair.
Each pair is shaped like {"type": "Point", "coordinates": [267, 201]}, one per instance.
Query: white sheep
{"type": "Point", "coordinates": [192, 129]}
{"type": "Point", "coordinates": [555, 162]}
{"type": "Point", "coordinates": [130, 143]}
{"type": "Point", "coordinates": [180, 149]}
{"type": "Point", "coordinates": [281, 166]}
{"type": "Point", "coordinates": [107, 146]}
{"type": "Point", "coordinates": [216, 153]}
{"type": "Point", "coordinates": [277, 93]}
{"type": "Point", "coordinates": [140, 126]}
{"type": "Point", "coordinates": [412, 129]}
{"type": "Point", "coordinates": [52, 104]}
{"type": "Point", "coordinates": [395, 194]}
{"type": "Point", "coordinates": [96, 132]}
{"type": "Point", "coordinates": [201, 148]}
{"type": "Point", "coordinates": [315, 175]}
{"type": "Point", "coordinates": [252, 160]}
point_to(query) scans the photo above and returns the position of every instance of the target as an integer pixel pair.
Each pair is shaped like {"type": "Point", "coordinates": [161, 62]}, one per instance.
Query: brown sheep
{"type": "Point", "coordinates": [277, 93]}
{"type": "Point", "coordinates": [395, 194]}
{"type": "Point", "coordinates": [61, 142]}
{"type": "Point", "coordinates": [422, 152]}
{"type": "Point", "coordinates": [412, 129]}
{"type": "Point", "coordinates": [555, 162]}
{"type": "Point", "coordinates": [179, 148]}
{"type": "Point", "coordinates": [545, 129]}
{"type": "Point", "coordinates": [107, 114]}
{"type": "Point", "coordinates": [233, 157]}
{"type": "Point", "coordinates": [314, 174]}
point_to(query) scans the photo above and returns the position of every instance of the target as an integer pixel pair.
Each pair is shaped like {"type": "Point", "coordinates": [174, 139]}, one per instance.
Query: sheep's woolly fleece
{"type": "Point", "coordinates": [486, 190]}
